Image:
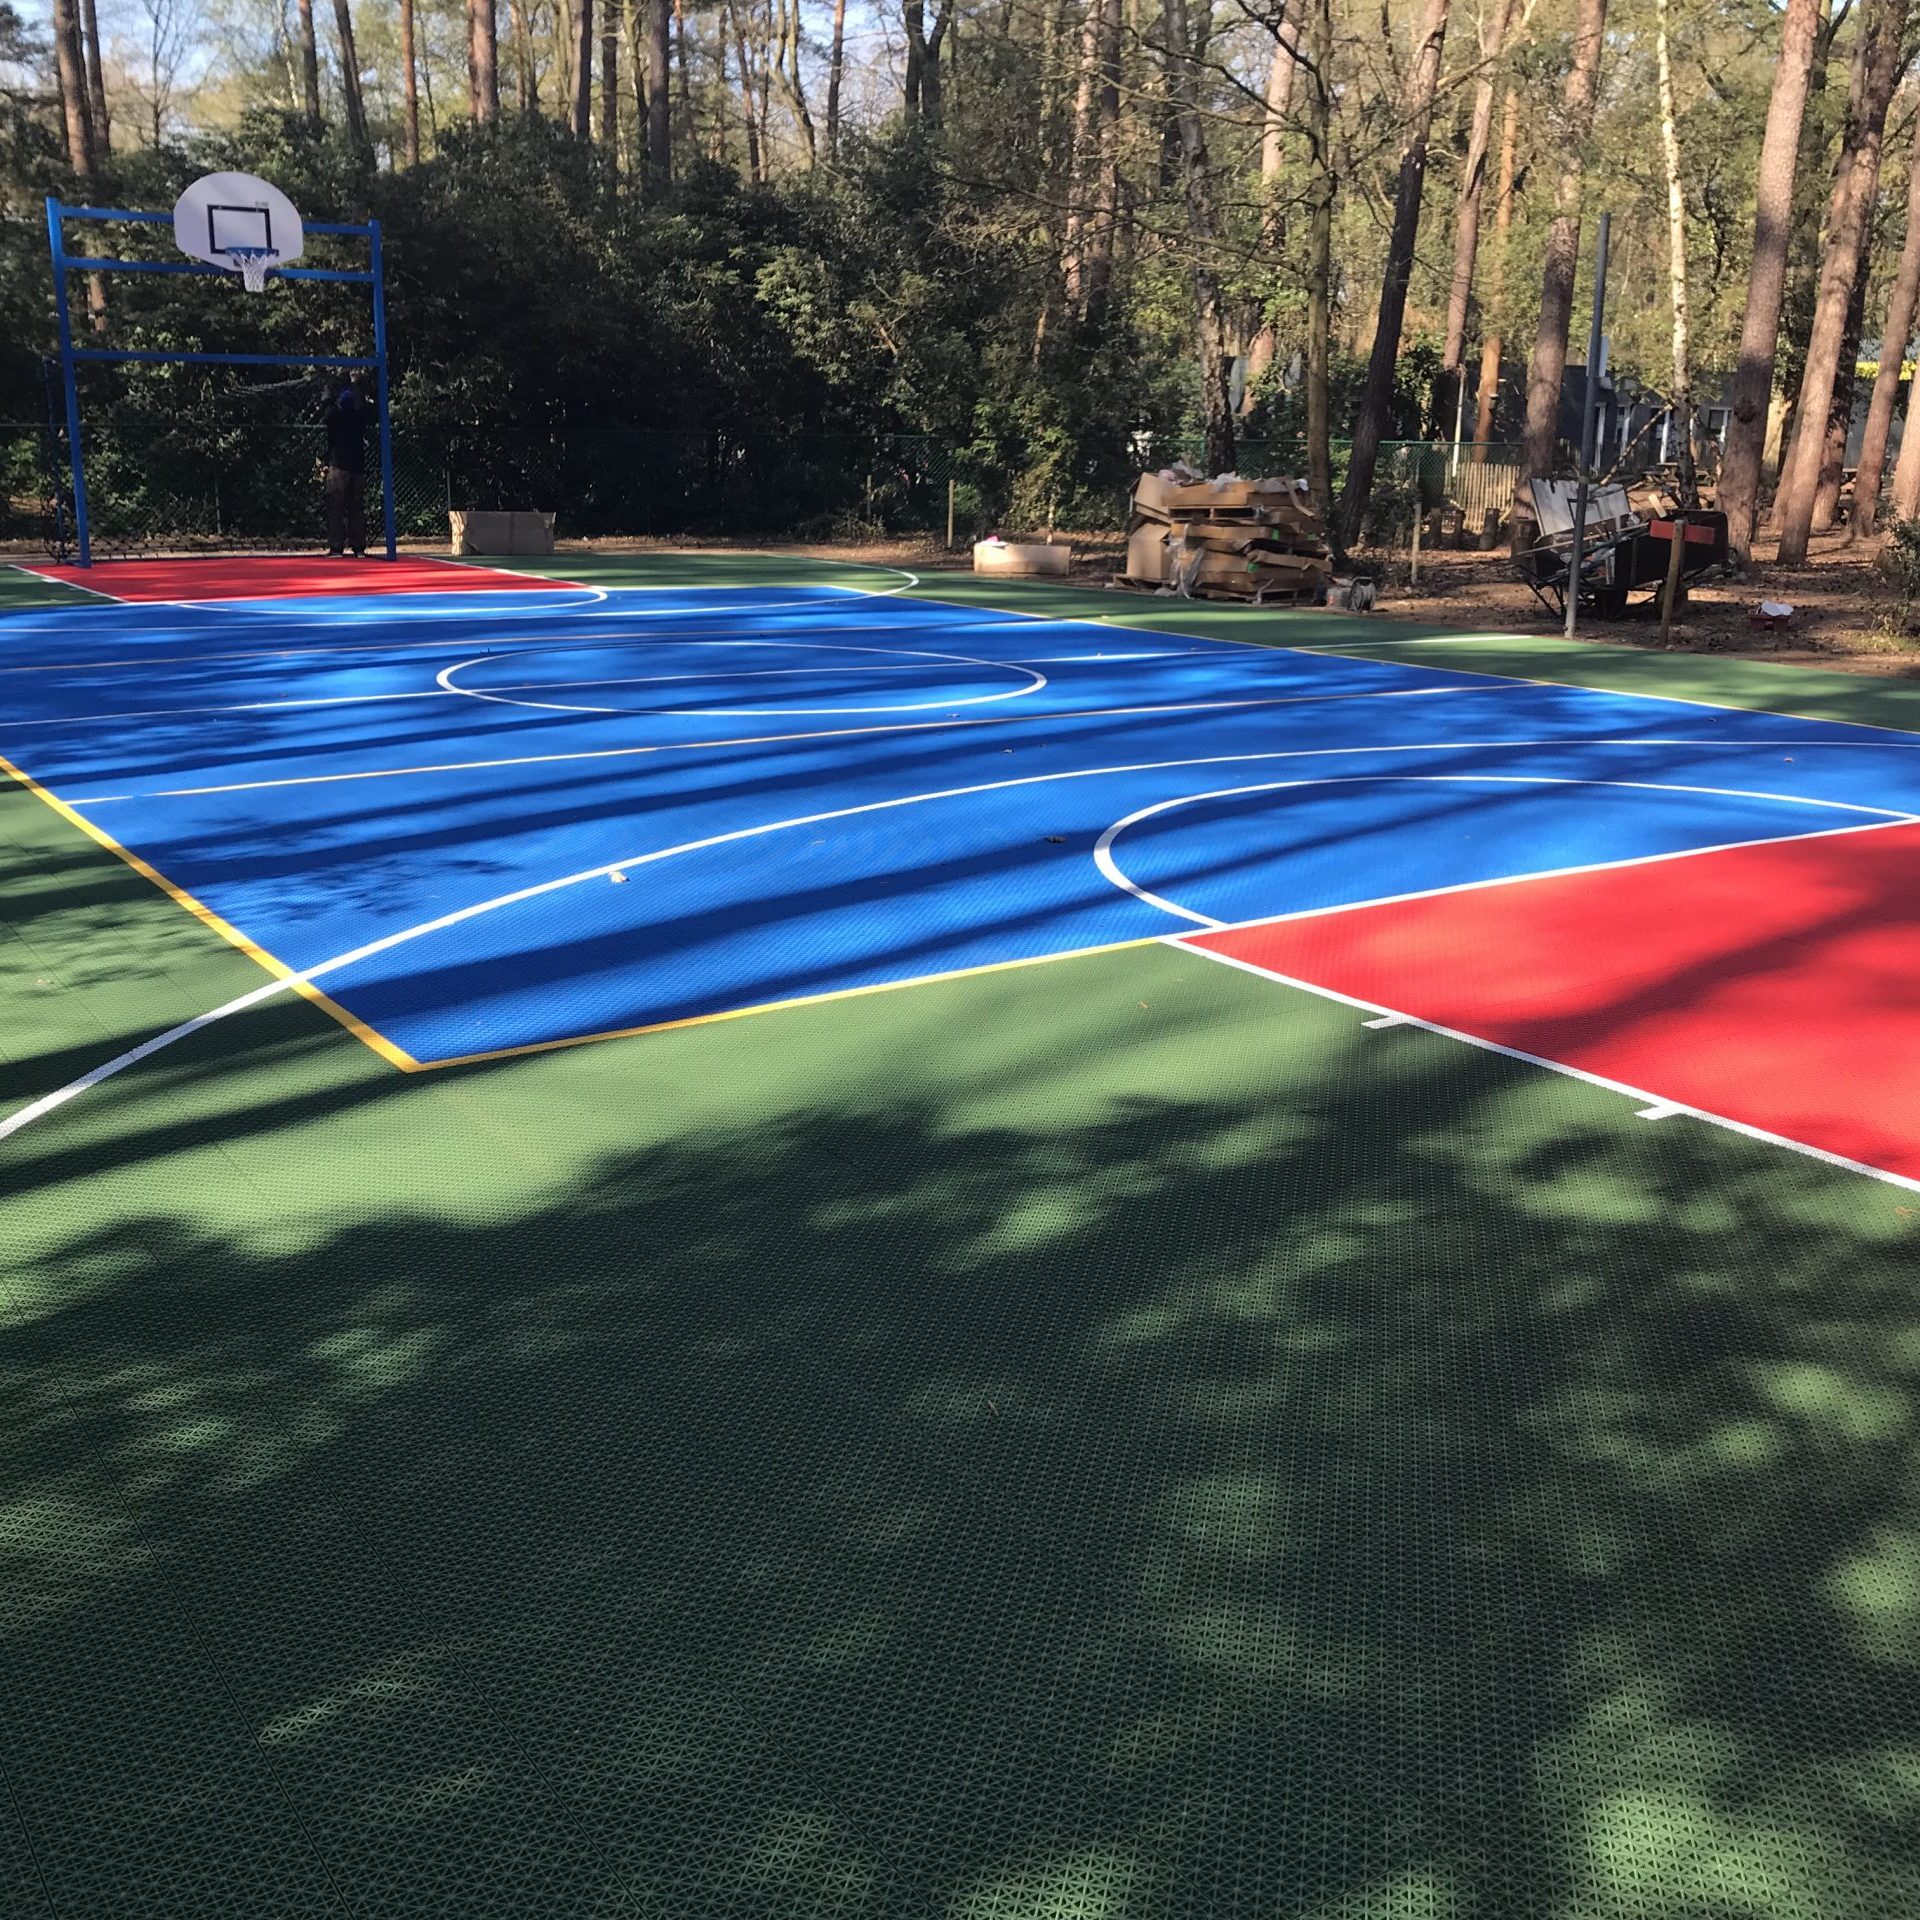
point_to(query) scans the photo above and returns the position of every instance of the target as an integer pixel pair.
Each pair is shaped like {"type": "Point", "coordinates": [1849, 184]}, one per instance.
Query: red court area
{"type": "Point", "coordinates": [1777, 986]}
{"type": "Point", "coordinates": [276, 576]}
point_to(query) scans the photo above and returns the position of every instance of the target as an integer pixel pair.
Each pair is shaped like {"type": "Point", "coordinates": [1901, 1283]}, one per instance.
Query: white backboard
{"type": "Point", "coordinates": [224, 218]}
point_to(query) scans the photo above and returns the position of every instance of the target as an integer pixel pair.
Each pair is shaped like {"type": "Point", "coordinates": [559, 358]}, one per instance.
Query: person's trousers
{"type": "Point", "coordinates": [346, 511]}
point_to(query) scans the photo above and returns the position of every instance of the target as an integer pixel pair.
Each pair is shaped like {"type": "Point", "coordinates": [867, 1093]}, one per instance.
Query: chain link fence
{"type": "Point", "coordinates": [182, 483]}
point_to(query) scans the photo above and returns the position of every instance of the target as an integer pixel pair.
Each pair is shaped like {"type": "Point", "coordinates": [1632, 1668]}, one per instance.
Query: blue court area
{"type": "Point", "coordinates": [492, 821]}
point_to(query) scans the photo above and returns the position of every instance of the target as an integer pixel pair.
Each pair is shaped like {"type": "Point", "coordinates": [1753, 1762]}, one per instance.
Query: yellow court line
{"type": "Point", "coordinates": [780, 1006]}
{"type": "Point", "coordinates": [380, 1044]}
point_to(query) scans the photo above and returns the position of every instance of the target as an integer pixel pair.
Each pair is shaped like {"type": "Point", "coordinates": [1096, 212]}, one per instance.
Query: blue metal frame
{"type": "Point", "coordinates": [72, 356]}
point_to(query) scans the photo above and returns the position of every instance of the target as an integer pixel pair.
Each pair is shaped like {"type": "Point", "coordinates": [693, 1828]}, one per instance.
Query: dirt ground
{"type": "Point", "coordinates": [1839, 598]}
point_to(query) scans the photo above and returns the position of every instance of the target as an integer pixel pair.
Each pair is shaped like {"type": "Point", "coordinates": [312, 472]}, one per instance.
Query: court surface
{"type": "Point", "coordinates": [1376, 1381]}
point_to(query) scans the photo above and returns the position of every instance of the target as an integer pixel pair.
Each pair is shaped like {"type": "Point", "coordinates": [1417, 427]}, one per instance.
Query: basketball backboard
{"type": "Point", "coordinates": [238, 223]}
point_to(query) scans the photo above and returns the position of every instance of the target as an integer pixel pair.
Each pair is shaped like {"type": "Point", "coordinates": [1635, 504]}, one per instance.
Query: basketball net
{"type": "Point", "coordinates": [254, 262]}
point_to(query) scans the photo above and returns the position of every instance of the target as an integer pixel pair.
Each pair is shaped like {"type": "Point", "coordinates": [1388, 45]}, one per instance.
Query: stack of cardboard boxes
{"type": "Point", "coordinates": [1226, 538]}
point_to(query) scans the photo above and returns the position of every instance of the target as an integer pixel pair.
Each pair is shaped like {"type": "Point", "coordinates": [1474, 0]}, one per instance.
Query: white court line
{"type": "Point", "coordinates": [1104, 860]}
{"type": "Point", "coordinates": [503, 644]}
{"type": "Point", "coordinates": [1117, 623]}
{"type": "Point", "coordinates": [989, 720]}
{"type": "Point", "coordinates": [262, 610]}
{"type": "Point", "coordinates": [532, 686]}
{"type": "Point", "coordinates": [1650, 1105]}
{"type": "Point", "coordinates": [48, 1103]}
{"type": "Point", "coordinates": [839, 733]}
{"type": "Point", "coordinates": [1035, 682]}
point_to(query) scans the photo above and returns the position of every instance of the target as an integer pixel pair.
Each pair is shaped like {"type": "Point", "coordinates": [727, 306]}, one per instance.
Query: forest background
{"type": "Point", "coordinates": [1022, 245]}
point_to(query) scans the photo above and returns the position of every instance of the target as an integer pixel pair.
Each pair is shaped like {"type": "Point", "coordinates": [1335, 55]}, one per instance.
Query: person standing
{"type": "Point", "coordinates": [345, 420]}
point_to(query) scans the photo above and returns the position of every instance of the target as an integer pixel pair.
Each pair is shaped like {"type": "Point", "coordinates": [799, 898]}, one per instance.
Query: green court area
{"type": "Point", "coordinates": [1108, 1438]}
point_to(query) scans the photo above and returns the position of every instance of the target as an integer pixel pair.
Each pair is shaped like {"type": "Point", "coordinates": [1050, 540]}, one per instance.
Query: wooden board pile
{"type": "Point", "coordinates": [1226, 538]}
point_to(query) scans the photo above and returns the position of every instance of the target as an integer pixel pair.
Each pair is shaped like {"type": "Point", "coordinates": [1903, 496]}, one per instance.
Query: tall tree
{"type": "Point", "coordinates": [409, 88]}
{"type": "Point", "coordinates": [1319, 130]}
{"type": "Point", "coordinates": [1681, 399]}
{"type": "Point", "coordinates": [350, 93]}
{"type": "Point", "coordinates": [1492, 342]}
{"type": "Point", "coordinates": [786, 65]}
{"type": "Point", "coordinates": [99, 123]}
{"type": "Point", "coordinates": [1282, 63]}
{"type": "Point", "coordinates": [1876, 69]}
{"type": "Point", "coordinates": [610, 83]}
{"type": "Point", "coordinates": [1894, 338]}
{"type": "Point", "coordinates": [1752, 391]}
{"type": "Point", "coordinates": [1376, 402]}
{"type": "Point", "coordinates": [309, 62]}
{"type": "Point", "coordinates": [70, 68]}
{"type": "Point", "coordinates": [1210, 319]}
{"type": "Point", "coordinates": [483, 62]}
{"type": "Point", "coordinates": [1833, 449]}
{"type": "Point", "coordinates": [1103, 226]}
{"type": "Point", "coordinates": [580, 106]}
{"type": "Point", "coordinates": [1081, 164]}
{"type": "Point", "coordinates": [1466, 212]}
{"type": "Point", "coordinates": [923, 59]}
{"type": "Point", "coordinates": [836, 66]}
{"type": "Point", "coordinates": [659, 94]}
{"type": "Point", "coordinates": [1547, 369]}
{"type": "Point", "coordinates": [749, 118]}
{"type": "Point", "coordinates": [526, 64]}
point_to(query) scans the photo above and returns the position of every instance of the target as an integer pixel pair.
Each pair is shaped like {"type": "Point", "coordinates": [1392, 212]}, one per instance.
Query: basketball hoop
{"type": "Point", "coordinates": [254, 262]}
{"type": "Point", "coordinates": [239, 224]}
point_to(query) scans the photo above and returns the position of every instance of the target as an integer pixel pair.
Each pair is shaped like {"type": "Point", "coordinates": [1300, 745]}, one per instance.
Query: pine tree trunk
{"type": "Point", "coordinates": [1376, 404]}
{"type": "Point", "coordinates": [483, 62]}
{"type": "Point", "coordinates": [1210, 330]}
{"type": "Point", "coordinates": [1080, 158]}
{"type": "Point", "coordinates": [580, 103]}
{"type": "Point", "coordinates": [1877, 67]}
{"type": "Point", "coordinates": [659, 94]}
{"type": "Point", "coordinates": [610, 84]}
{"type": "Point", "coordinates": [1681, 400]}
{"type": "Point", "coordinates": [1319, 28]}
{"type": "Point", "coordinates": [1833, 453]}
{"type": "Point", "coordinates": [526, 75]}
{"type": "Point", "coordinates": [70, 66]}
{"type": "Point", "coordinates": [1104, 219]}
{"type": "Point", "coordinates": [1738, 492]}
{"type": "Point", "coordinates": [1273, 224]}
{"type": "Point", "coordinates": [836, 66]}
{"type": "Point", "coordinates": [746, 92]}
{"type": "Point", "coordinates": [1894, 337]}
{"type": "Point", "coordinates": [409, 88]}
{"type": "Point", "coordinates": [636, 82]}
{"type": "Point", "coordinates": [683, 77]}
{"type": "Point", "coordinates": [350, 79]}
{"type": "Point", "coordinates": [1547, 370]}
{"type": "Point", "coordinates": [309, 63]}
{"type": "Point", "coordinates": [1492, 344]}
{"type": "Point", "coordinates": [913, 16]}
{"type": "Point", "coordinates": [1473, 181]}
{"type": "Point", "coordinates": [100, 126]}
{"type": "Point", "coordinates": [1906, 471]}
{"type": "Point", "coordinates": [786, 64]}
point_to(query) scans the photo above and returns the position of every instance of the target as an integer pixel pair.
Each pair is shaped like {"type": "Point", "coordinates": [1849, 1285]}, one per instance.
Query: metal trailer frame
{"type": "Point", "coordinates": [72, 357]}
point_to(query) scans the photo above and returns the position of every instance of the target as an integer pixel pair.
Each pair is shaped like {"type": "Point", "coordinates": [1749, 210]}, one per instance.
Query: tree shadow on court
{"type": "Point", "coordinates": [1107, 1440]}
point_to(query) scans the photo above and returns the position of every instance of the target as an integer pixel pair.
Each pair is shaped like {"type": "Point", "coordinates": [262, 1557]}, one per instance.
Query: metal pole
{"type": "Point", "coordinates": [76, 459]}
{"type": "Point", "coordinates": [1588, 410]}
{"type": "Point", "coordinates": [380, 356]}
{"type": "Point", "coordinates": [949, 516]}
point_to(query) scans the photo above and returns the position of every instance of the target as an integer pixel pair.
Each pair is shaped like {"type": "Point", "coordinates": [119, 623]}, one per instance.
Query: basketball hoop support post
{"type": "Point", "coordinates": [373, 277]}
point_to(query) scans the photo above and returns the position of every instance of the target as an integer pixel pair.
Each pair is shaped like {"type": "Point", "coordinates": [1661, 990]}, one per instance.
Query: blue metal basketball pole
{"type": "Point", "coordinates": [71, 356]}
